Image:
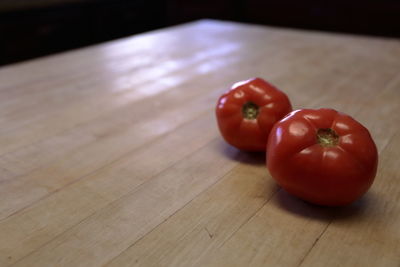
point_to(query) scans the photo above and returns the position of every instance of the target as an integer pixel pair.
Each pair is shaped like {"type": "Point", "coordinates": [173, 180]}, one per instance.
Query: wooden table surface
{"type": "Point", "coordinates": [110, 155]}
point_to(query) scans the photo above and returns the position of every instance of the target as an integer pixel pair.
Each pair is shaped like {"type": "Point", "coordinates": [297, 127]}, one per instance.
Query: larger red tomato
{"type": "Point", "coordinates": [322, 156]}
{"type": "Point", "coordinates": [248, 111]}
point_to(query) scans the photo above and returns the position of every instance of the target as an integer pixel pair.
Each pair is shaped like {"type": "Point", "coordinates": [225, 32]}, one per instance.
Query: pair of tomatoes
{"type": "Point", "coordinates": [321, 156]}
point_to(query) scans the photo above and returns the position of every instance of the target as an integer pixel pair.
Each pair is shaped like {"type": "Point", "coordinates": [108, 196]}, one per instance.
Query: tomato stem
{"type": "Point", "coordinates": [327, 137]}
{"type": "Point", "coordinates": [250, 111]}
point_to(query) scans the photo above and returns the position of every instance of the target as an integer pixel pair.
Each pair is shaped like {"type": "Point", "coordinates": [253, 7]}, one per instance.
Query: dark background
{"type": "Point", "coordinates": [32, 28]}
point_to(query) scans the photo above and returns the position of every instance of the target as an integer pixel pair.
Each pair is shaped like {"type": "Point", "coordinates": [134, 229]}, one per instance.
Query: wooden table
{"type": "Point", "coordinates": [110, 155]}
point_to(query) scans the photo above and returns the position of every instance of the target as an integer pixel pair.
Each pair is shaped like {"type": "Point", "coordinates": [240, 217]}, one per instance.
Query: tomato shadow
{"type": "Point", "coordinates": [246, 157]}
{"type": "Point", "coordinates": [305, 209]}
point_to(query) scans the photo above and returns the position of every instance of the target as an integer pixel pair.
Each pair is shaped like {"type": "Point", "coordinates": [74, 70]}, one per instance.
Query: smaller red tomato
{"type": "Point", "coordinates": [322, 156]}
{"type": "Point", "coordinates": [248, 111]}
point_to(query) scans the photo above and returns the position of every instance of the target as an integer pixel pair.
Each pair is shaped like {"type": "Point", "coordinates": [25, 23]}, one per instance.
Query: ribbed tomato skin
{"type": "Point", "coordinates": [250, 134]}
{"type": "Point", "coordinates": [325, 175]}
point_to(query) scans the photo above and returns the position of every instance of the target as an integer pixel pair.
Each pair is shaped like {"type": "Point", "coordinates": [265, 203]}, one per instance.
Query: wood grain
{"type": "Point", "coordinates": [110, 154]}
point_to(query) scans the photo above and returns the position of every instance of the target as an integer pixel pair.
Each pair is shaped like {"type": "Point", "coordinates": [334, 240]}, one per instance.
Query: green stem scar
{"type": "Point", "coordinates": [327, 137]}
{"type": "Point", "coordinates": [250, 111]}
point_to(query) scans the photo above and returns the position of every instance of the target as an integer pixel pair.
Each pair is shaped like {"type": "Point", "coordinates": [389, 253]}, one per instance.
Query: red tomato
{"type": "Point", "coordinates": [322, 156]}
{"type": "Point", "coordinates": [248, 111]}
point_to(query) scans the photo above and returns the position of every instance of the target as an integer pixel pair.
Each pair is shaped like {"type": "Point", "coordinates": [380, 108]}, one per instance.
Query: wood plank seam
{"type": "Point", "coordinates": [104, 166]}
{"type": "Point", "coordinates": [388, 84]}
{"type": "Point", "coordinates": [170, 136]}
{"type": "Point", "coordinates": [124, 72]}
{"type": "Point", "coordinates": [313, 244]}
{"type": "Point", "coordinates": [62, 79]}
{"type": "Point", "coordinates": [175, 210]}
{"type": "Point", "coordinates": [110, 203]}
{"type": "Point", "coordinates": [137, 189]}
{"type": "Point", "coordinates": [206, 98]}
{"type": "Point", "coordinates": [219, 180]}
{"type": "Point", "coordinates": [326, 227]}
{"type": "Point", "coordinates": [248, 219]}
{"type": "Point", "coordinates": [382, 151]}
{"type": "Point", "coordinates": [117, 199]}
{"type": "Point", "coordinates": [141, 83]}
{"type": "Point", "coordinates": [48, 241]}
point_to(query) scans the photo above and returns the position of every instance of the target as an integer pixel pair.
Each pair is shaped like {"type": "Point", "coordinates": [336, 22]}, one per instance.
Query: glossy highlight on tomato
{"type": "Point", "coordinates": [248, 111]}
{"type": "Point", "coordinates": [322, 156]}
